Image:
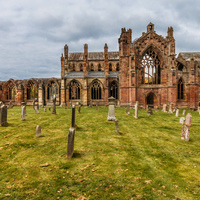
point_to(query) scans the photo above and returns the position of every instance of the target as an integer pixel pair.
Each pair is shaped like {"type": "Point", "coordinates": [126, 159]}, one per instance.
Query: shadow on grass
{"type": "Point", "coordinates": [77, 155]}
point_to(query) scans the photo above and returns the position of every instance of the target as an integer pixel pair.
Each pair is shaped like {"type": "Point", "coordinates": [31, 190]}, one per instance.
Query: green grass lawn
{"type": "Point", "coordinates": [148, 160]}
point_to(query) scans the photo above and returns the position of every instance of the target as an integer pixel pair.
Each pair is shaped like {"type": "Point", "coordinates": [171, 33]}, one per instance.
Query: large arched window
{"type": "Point", "coordinates": [180, 89]}
{"type": "Point", "coordinates": [114, 89]}
{"type": "Point", "coordinates": [10, 91]}
{"type": "Point", "coordinates": [31, 90]}
{"type": "Point", "coordinates": [74, 90]}
{"type": "Point", "coordinates": [150, 66]}
{"type": "Point", "coordinates": [96, 90]}
{"type": "Point", "coordinates": [52, 89]}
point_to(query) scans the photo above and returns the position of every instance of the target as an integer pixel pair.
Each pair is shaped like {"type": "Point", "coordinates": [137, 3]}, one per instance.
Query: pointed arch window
{"type": "Point", "coordinates": [150, 66]}
{"type": "Point", "coordinates": [96, 90]}
{"type": "Point", "coordinates": [52, 89]}
{"type": "Point", "coordinates": [92, 67]}
{"type": "Point", "coordinates": [11, 91]}
{"type": "Point", "coordinates": [180, 89]}
{"type": "Point", "coordinates": [81, 67]}
{"type": "Point", "coordinates": [31, 90]}
{"type": "Point", "coordinates": [114, 89]}
{"type": "Point", "coordinates": [74, 90]}
{"type": "Point", "coordinates": [110, 67]}
{"type": "Point", "coordinates": [99, 67]}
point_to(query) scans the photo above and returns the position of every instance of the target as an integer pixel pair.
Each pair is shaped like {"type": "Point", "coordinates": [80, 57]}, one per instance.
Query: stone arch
{"type": "Point", "coordinates": [152, 98]}
{"type": "Point", "coordinates": [31, 89]}
{"type": "Point", "coordinates": [150, 65]}
{"type": "Point", "coordinates": [10, 90]}
{"type": "Point", "coordinates": [74, 89]}
{"type": "Point", "coordinates": [114, 89]}
{"type": "Point", "coordinates": [96, 90]}
{"type": "Point", "coordinates": [180, 89]}
{"type": "Point", "coordinates": [52, 88]}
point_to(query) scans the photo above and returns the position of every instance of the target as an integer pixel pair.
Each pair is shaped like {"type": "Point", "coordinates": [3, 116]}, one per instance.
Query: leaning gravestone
{"type": "Point", "coordinates": [54, 105]}
{"type": "Point", "coordinates": [117, 127]}
{"type": "Point", "coordinates": [164, 108]}
{"type": "Point", "coordinates": [182, 120]}
{"type": "Point", "coordinates": [171, 108]}
{"type": "Point", "coordinates": [79, 108]}
{"type": "Point", "coordinates": [136, 109]}
{"type": "Point", "coordinates": [73, 117]}
{"type": "Point", "coordinates": [184, 112]}
{"type": "Point", "coordinates": [177, 113]}
{"type": "Point", "coordinates": [23, 113]}
{"type": "Point", "coordinates": [38, 131]}
{"type": "Point", "coordinates": [186, 128]}
{"type": "Point", "coordinates": [111, 109]}
{"type": "Point", "coordinates": [3, 115]}
{"type": "Point", "coordinates": [70, 146]}
{"type": "Point", "coordinates": [127, 110]}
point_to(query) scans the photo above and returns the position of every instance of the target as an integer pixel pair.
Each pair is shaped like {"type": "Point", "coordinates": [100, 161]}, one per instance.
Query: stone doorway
{"type": "Point", "coordinates": [151, 100]}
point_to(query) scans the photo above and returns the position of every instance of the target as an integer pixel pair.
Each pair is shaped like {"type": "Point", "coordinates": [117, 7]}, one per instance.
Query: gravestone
{"type": "Point", "coordinates": [79, 108]}
{"type": "Point", "coordinates": [164, 108]}
{"type": "Point", "coordinates": [23, 113]}
{"type": "Point", "coordinates": [188, 119]}
{"type": "Point", "coordinates": [45, 110]}
{"type": "Point", "coordinates": [35, 103]}
{"type": "Point", "coordinates": [38, 131]}
{"type": "Point", "coordinates": [171, 108]}
{"type": "Point", "coordinates": [185, 133]}
{"type": "Point", "coordinates": [3, 115]}
{"type": "Point", "coordinates": [54, 105]}
{"type": "Point", "coordinates": [10, 105]}
{"type": "Point", "coordinates": [136, 109]}
{"type": "Point", "coordinates": [184, 112]}
{"type": "Point", "coordinates": [73, 116]}
{"type": "Point", "coordinates": [182, 120]}
{"type": "Point", "coordinates": [70, 145]}
{"type": "Point", "coordinates": [36, 110]}
{"type": "Point", "coordinates": [117, 127]}
{"type": "Point", "coordinates": [177, 113]}
{"type": "Point", "coordinates": [1, 103]}
{"type": "Point", "coordinates": [150, 112]}
{"type": "Point", "coordinates": [174, 110]}
{"type": "Point", "coordinates": [198, 109]}
{"type": "Point", "coordinates": [24, 104]}
{"type": "Point", "coordinates": [49, 108]}
{"type": "Point", "coordinates": [111, 109]}
{"type": "Point", "coordinates": [127, 110]}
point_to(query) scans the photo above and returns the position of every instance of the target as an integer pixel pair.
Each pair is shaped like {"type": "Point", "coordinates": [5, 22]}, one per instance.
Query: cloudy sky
{"type": "Point", "coordinates": [34, 32]}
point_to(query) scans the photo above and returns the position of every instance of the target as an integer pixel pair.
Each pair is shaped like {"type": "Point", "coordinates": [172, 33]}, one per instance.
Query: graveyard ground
{"type": "Point", "coordinates": [148, 160]}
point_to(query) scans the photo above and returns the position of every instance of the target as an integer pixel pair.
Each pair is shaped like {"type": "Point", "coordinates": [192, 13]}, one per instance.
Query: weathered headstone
{"type": "Point", "coordinates": [1, 103]}
{"type": "Point", "coordinates": [136, 109]}
{"type": "Point", "coordinates": [111, 109]}
{"type": "Point", "coordinates": [54, 105]}
{"type": "Point", "coordinates": [127, 110]}
{"type": "Point", "coordinates": [38, 131]}
{"type": "Point", "coordinates": [36, 110]}
{"type": "Point", "coordinates": [177, 113]}
{"type": "Point", "coordinates": [24, 104]}
{"type": "Point", "coordinates": [79, 108]}
{"type": "Point", "coordinates": [188, 119]}
{"type": "Point", "coordinates": [3, 115]}
{"type": "Point", "coordinates": [164, 108]}
{"type": "Point", "coordinates": [70, 145]}
{"type": "Point", "coordinates": [117, 127]}
{"type": "Point", "coordinates": [23, 113]}
{"type": "Point", "coordinates": [73, 116]}
{"type": "Point", "coordinates": [150, 112]}
{"type": "Point", "coordinates": [35, 103]}
{"type": "Point", "coordinates": [185, 133]}
{"type": "Point", "coordinates": [171, 108]}
{"type": "Point", "coordinates": [184, 112]}
{"type": "Point", "coordinates": [45, 110]}
{"type": "Point", "coordinates": [182, 120]}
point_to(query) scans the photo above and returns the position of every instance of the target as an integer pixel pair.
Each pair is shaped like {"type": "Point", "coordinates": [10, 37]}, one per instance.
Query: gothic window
{"type": "Point", "coordinates": [96, 90]}
{"type": "Point", "coordinates": [81, 68]}
{"type": "Point", "coordinates": [10, 91]}
{"type": "Point", "coordinates": [99, 67]}
{"type": "Point", "coordinates": [52, 89]}
{"type": "Point", "coordinates": [74, 90]}
{"type": "Point", "coordinates": [31, 90]}
{"type": "Point", "coordinates": [180, 89]}
{"type": "Point", "coordinates": [14, 93]}
{"type": "Point", "coordinates": [110, 67]}
{"type": "Point", "coordinates": [117, 67]}
{"type": "Point", "coordinates": [180, 66]}
{"type": "Point", "coordinates": [150, 68]}
{"type": "Point", "coordinates": [73, 68]}
{"type": "Point", "coordinates": [114, 89]}
{"type": "Point", "coordinates": [92, 67]}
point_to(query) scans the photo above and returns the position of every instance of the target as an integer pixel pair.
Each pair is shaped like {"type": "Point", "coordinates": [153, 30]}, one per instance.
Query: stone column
{"type": "Point", "coordinates": [111, 109]}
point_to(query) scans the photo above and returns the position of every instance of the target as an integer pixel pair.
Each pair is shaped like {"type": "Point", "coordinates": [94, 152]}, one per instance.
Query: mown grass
{"type": "Point", "coordinates": [148, 160]}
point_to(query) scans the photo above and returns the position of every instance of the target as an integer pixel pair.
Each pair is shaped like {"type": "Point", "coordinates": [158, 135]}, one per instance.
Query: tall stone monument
{"type": "Point", "coordinates": [3, 115]}
{"type": "Point", "coordinates": [136, 109]}
{"type": "Point", "coordinates": [111, 109]}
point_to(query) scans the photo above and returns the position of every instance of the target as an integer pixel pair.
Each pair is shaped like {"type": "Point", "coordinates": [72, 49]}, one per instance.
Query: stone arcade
{"type": "Point", "coordinates": [145, 70]}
